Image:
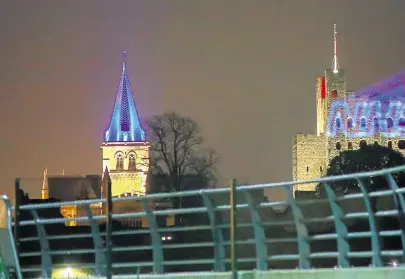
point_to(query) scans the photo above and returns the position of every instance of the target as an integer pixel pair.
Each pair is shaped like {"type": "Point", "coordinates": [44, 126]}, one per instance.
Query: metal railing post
{"type": "Point", "coordinates": [10, 235]}
{"type": "Point", "coordinates": [304, 250]}
{"type": "Point", "coordinates": [157, 249]}
{"type": "Point", "coordinates": [109, 229]}
{"type": "Point", "coordinates": [399, 203]}
{"type": "Point", "coordinates": [233, 232]}
{"type": "Point", "coordinates": [100, 259]}
{"type": "Point", "coordinates": [17, 203]}
{"type": "Point", "coordinates": [216, 232]}
{"type": "Point", "coordinates": [260, 236]}
{"type": "Point", "coordinates": [340, 227]}
{"type": "Point", "coordinates": [44, 243]}
{"type": "Point", "coordinates": [375, 234]}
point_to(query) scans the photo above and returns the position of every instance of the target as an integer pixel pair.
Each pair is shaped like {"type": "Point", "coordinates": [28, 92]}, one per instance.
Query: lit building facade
{"type": "Point", "coordinates": [346, 120]}
{"type": "Point", "coordinates": [125, 160]}
{"type": "Point", "coordinates": [125, 149]}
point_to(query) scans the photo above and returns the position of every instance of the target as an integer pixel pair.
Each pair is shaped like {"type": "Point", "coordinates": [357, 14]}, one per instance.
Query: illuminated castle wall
{"type": "Point", "coordinates": [346, 120]}
{"type": "Point", "coordinates": [125, 150]}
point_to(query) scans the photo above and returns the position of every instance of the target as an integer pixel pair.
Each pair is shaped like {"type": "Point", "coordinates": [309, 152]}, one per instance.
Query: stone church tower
{"type": "Point", "coordinates": [125, 150]}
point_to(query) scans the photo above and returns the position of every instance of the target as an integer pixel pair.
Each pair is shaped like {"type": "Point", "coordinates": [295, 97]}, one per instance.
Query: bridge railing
{"type": "Point", "coordinates": [336, 228]}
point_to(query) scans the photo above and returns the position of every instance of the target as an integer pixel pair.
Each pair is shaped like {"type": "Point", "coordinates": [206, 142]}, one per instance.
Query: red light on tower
{"type": "Point", "coordinates": [334, 94]}
{"type": "Point", "coordinates": [323, 87]}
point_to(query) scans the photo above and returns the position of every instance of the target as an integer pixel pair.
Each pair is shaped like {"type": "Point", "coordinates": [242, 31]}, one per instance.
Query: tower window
{"type": "Point", "coordinates": [349, 123]}
{"type": "Point", "coordinates": [390, 123]}
{"type": "Point", "coordinates": [390, 144]}
{"type": "Point", "coordinates": [376, 125]}
{"type": "Point", "coordinates": [120, 162]}
{"type": "Point", "coordinates": [334, 94]}
{"type": "Point", "coordinates": [338, 146]}
{"type": "Point", "coordinates": [376, 143]}
{"type": "Point", "coordinates": [307, 169]}
{"type": "Point", "coordinates": [363, 123]}
{"type": "Point", "coordinates": [320, 169]}
{"type": "Point", "coordinates": [337, 123]}
{"type": "Point", "coordinates": [401, 122]}
{"type": "Point", "coordinates": [131, 163]}
{"type": "Point", "coordinates": [350, 146]}
{"type": "Point", "coordinates": [363, 144]}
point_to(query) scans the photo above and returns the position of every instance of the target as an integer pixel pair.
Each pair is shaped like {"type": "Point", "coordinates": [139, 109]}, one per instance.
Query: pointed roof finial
{"type": "Point", "coordinates": [124, 125]}
{"type": "Point", "coordinates": [124, 55]}
{"type": "Point", "coordinates": [335, 64]}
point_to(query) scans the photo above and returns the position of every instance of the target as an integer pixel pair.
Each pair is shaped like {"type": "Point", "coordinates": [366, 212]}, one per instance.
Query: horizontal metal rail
{"type": "Point", "coordinates": [331, 230]}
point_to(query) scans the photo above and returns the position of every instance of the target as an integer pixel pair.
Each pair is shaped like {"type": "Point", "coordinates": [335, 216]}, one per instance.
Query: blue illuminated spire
{"type": "Point", "coordinates": [124, 125]}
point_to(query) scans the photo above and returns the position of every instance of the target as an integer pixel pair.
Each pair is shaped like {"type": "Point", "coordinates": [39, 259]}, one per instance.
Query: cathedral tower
{"type": "Point", "coordinates": [125, 149]}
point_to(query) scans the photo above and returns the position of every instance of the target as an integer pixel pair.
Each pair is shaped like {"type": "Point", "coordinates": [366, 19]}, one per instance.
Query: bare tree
{"type": "Point", "coordinates": [177, 150]}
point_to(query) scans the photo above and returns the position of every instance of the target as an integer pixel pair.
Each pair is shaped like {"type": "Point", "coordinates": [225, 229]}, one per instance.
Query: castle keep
{"type": "Point", "coordinates": [347, 120]}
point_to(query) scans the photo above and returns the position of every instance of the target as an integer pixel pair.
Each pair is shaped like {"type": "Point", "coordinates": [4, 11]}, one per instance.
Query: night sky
{"type": "Point", "coordinates": [245, 70]}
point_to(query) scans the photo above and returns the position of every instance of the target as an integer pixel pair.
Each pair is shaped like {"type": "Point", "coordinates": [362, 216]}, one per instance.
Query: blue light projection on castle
{"type": "Point", "coordinates": [377, 110]}
{"type": "Point", "coordinates": [124, 125]}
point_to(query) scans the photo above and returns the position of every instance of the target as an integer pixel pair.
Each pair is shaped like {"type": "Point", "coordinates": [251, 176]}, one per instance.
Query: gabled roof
{"type": "Point", "coordinates": [69, 188]}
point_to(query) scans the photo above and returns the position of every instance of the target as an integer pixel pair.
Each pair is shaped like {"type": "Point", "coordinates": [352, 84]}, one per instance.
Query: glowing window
{"type": "Point", "coordinates": [376, 125]}
{"type": "Point", "coordinates": [120, 162]}
{"type": "Point", "coordinates": [390, 123]}
{"type": "Point", "coordinates": [131, 163]}
{"type": "Point", "coordinates": [401, 122]}
{"type": "Point", "coordinates": [349, 123]}
{"type": "Point", "coordinates": [363, 123]}
{"type": "Point", "coordinates": [337, 123]}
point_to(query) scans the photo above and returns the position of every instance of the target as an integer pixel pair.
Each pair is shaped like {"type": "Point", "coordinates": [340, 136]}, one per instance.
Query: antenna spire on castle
{"type": "Point", "coordinates": [335, 64]}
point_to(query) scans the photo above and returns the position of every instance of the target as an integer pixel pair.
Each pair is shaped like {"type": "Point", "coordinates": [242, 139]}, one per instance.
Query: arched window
{"type": "Point", "coordinates": [363, 143]}
{"type": "Point", "coordinates": [120, 162]}
{"type": "Point", "coordinates": [376, 125]}
{"type": "Point", "coordinates": [401, 144]}
{"type": "Point", "coordinates": [349, 123]}
{"type": "Point", "coordinates": [376, 143]}
{"type": "Point", "coordinates": [401, 122]}
{"type": "Point", "coordinates": [363, 123]}
{"type": "Point", "coordinates": [390, 123]}
{"type": "Point", "coordinates": [338, 123]}
{"type": "Point", "coordinates": [390, 144]}
{"type": "Point", "coordinates": [338, 146]}
{"type": "Point", "coordinates": [131, 162]}
{"type": "Point", "coordinates": [307, 169]}
{"type": "Point", "coordinates": [350, 146]}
